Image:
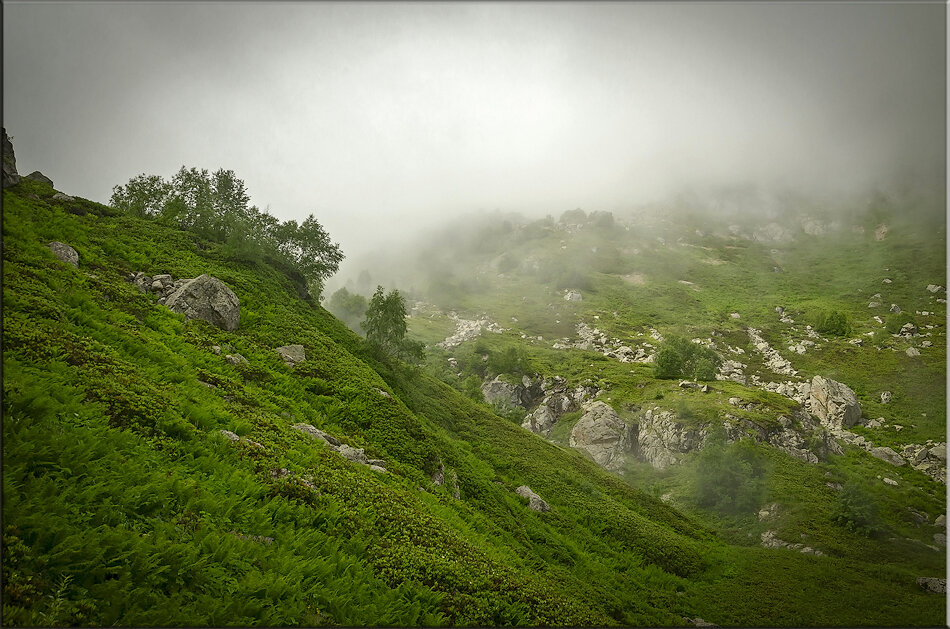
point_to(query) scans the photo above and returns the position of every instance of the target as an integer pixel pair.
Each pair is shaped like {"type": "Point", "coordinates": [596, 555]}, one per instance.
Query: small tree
{"type": "Point", "coordinates": [348, 307]}
{"type": "Point", "coordinates": [385, 326]}
{"type": "Point", "coordinates": [679, 358]}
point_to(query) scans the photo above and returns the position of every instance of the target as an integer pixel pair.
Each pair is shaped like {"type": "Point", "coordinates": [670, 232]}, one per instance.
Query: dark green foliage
{"type": "Point", "coordinates": [856, 510]}
{"type": "Point", "coordinates": [348, 307]}
{"type": "Point", "coordinates": [730, 478]}
{"type": "Point", "coordinates": [679, 358]}
{"type": "Point", "coordinates": [834, 322]}
{"type": "Point", "coordinates": [385, 326]}
{"type": "Point", "coordinates": [512, 360]}
{"type": "Point", "coordinates": [893, 323]}
{"type": "Point", "coordinates": [215, 206]}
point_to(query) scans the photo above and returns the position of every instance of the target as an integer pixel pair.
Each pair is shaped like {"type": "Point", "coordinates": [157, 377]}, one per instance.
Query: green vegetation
{"type": "Point", "coordinates": [833, 322]}
{"type": "Point", "coordinates": [124, 504]}
{"type": "Point", "coordinates": [385, 326]}
{"type": "Point", "coordinates": [215, 207]}
{"type": "Point", "coordinates": [679, 358]}
{"type": "Point", "coordinates": [350, 308]}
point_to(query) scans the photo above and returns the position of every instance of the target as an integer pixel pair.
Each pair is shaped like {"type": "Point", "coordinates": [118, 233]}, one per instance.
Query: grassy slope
{"type": "Point", "coordinates": [124, 505]}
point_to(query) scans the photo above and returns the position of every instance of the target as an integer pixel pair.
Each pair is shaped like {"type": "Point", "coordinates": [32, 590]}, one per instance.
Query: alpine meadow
{"type": "Point", "coordinates": [477, 314]}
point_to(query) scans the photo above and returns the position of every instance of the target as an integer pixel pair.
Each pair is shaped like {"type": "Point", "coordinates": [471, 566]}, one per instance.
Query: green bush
{"type": "Point", "coordinates": [856, 510]}
{"type": "Point", "coordinates": [729, 478]}
{"type": "Point", "coordinates": [679, 358]}
{"type": "Point", "coordinates": [835, 323]}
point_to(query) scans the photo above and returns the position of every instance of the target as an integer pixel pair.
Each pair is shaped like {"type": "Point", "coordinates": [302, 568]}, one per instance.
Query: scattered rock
{"type": "Point", "coordinates": [933, 288]}
{"type": "Point", "coordinates": [573, 295]}
{"type": "Point", "coordinates": [230, 435]}
{"type": "Point", "coordinates": [919, 516]}
{"type": "Point", "coordinates": [735, 315]}
{"type": "Point", "coordinates": [880, 233]}
{"type": "Point", "coordinates": [316, 433]}
{"type": "Point", "coordinates": [209, 299]}
{"type": "Point", "coordinates": [535, 502]}
{"type": "Point", "coordinates": [833, 403]}
{"type": "Point", "coordinates": [59, 196]}
{"type": "Point", "coordinates": [65, 253]}
{"type": "Point", "coordinates": [888, 455]}
{"type": "Point", "coordinates": [886, 397]}
{"type": "Point", "coordinates": [292, 354]}
{"type": "Point", "coordinates": [890, 481]}
{"type": "Point", "coordinates": [913, 352]}
{"type": "Point", "coordinates": [38, 176]}
{"type": "Point", "coordinates": [236, 359]}
{"type": "Point", "coordinates": [895, 309]}
{"type": "Point", "coordinates": [933, 584]}
{"type": "Point", "coordinates": [941, 521]}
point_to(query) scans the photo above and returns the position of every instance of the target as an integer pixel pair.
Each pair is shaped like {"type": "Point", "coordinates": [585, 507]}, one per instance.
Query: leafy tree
{"type": "Point", "coordinates": [856, 510]}
{"type": "Point", "coordinates": [385, 326]}
{"type": "Point", "coordinates": [144, 195]}
{"type": "Point", "coordinates": [680, 358]}
{"type": "Point", "coordinates": [513, 360]}
{"type": "Point", "coordinates": [729, 478]}
{"type": "Point", "coordinates": [348, 307]}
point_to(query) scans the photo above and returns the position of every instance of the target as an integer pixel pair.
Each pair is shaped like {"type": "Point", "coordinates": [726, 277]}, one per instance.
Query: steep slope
{"type": "Point", "coordinates": [125, 503]}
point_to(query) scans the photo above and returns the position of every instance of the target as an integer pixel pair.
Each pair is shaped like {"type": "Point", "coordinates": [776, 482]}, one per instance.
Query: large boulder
{"type": "Point", "coordinates": [933, 584]}
{"type": "Point", "coordinates": [65, 253]}
{"type": "Point", "coordinates": [209, 299]}
{"type": "Point", "coordinates": [292, 354]}
{"type": "Point", "coordinates": [10, 175]}
{"type": "Point", "coordinates": [834, 404]}
{"type": "Point", "coordinates": [888, 455]}
{"type": "Point", "coordinates": [602, 434]}
{"type": "Point", "coordinates": [535, 503]}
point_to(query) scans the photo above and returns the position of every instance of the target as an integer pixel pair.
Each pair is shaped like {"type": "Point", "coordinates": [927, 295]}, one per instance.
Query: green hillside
{"type": "Point", "coordinates": [125, 504]}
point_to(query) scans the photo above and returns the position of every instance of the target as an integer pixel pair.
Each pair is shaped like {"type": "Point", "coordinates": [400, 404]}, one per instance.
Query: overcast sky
{"type": "Point", "coordinates": [378, 116]}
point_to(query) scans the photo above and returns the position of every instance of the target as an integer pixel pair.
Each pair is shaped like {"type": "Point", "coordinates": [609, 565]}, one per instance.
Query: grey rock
{"type": "Point", "coordinates": [65, 253]}
{"type": "Point", "coordinates": [230, 435]}
{"type": "Point", "coordinates": [939, 452]}
{"type": "Point", "coordinates": [888, 455]}
{"type": "Point", "coordinates": [209, 299]}
{"type": "Point", "coordinates": [457, 495]}
{"type": "Point", "coordinates": [535, 503]}
{"type": "Point", "coordinates": [573, 295]}
{"type": "Point", "coordinates": [316, 433]}
{"type": "Point", "coordinates": [919, 517]}
{"type": "Point", "coordinates": [378, 468]}
{"type": "Point", "coordinates": [913, 352]}
{"type": "Point", "coordinates": [940, 539]}
{"type": "Point", "coordinates": [356, 455]}
{"type": "Point", "coordinates": [236, 359]}
{"type": "Point", "coordinates": [933, 584]}
{"type": "Point", "coordinates": [941, 521]}
{"type": "Point", "coordinates": [661, 439]}
{"type": "Point", "coordinates": [890, 481]}
{"type": "Point", "coordinates": [10, 175]}
{"type": "Point", "coordinates": [601, 433]}
{"type": "Point", "coordinates": [499, 391]}
{"type": "Point", "coordinates": [833, 403]}
{"type": "Point", "coordinates": [59, 196]}
{"type": "Point", "coordinates": [933, 288]}
{"type": "Point", "coordinates": [292, 354]}
{"type": "Point", "coordinates": [438, 476]}
{"type": "Point", "coordinates": [38, 176]}
{"type": "Point", "coordinates": [886, 397]}
{"type": "Point", "coordinates": [895, 308]}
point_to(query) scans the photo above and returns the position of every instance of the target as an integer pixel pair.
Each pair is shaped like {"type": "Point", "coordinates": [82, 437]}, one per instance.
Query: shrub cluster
{"type": "Point", "coordinates": [679, 358]}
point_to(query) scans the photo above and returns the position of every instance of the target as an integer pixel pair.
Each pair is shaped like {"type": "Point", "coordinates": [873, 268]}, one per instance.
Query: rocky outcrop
{"type": "Point", "coordinates": [769, 540]}
{"type": "Point", "coordinates": [535, 503]}
{"type": "Point", "coordinates": [773, 360]}
{"type": "Point", "coordinates": [292, 355]}
{"type": "Point", "coordinates": [573, 295]}
{"type": "Point", "coordinates": [209, 299]}
{"type": "Point", "coordinates": [354, 455]}
{"type": "Point", "coordinates": [887, 455]}
{"type": "Point", "coordinates": [602, 434]}
{"type": "Point", "coordinates": [40, 177]}
{"type": "Point", "coordinates": [557, 399]}
{"type": "Point", "coordinates": [10, 175]}
{"type": "Point", "coordinates": [65, 253]}
{"type": "Point", "coordinates": [933, 584]}
{"type": "Point", "coordinates": [661, 439]}
{"type": "Point", "coordinates": [834, 404]}
{"type": "Point", "coordinates": [467, 329]}
{"type": "Point", "coordinates": [498, 391]}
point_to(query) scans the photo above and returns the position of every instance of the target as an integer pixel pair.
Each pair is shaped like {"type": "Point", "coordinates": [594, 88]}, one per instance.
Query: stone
{"type": "Point", "coordinates": [356, 455]}
{"type": "Point", "coordinates": [890, 481]}
{"type": "Point", "coordinates": [59, 196]}
{"type": "Point", "coordinates": [833, 403]}
{"type": "Point", "coordinates": [933, 584]}
{"type": "Point", "coordinates": [939, 452]}
{"type": "Point", "coordinates": [10, 175]}
{"type": "Point", "coordinates": [908, 329]}
{"type": "Point", "coordinates": [236, 359]}
{"type": "Point", "coordinates": [886, 397]}
{"type": "Point", "coordinates": [209, 299]}
{"type": "Point", "coordinates": [438, 476]}
{"type": "Point", "coordinates": [230, 435]}
{"type": "Point", "coordinates": [874, 304]}
{"type": "Point", "coordinates": [499, 391]}
{"type": "Point", "coordinates": [941, 521]}
{"type": "Point", "coordinates": [316, 433]}
{"type": "Point", "coordinates": [880, 232]}
{"type": "Point", "coordinates": [913, 352]}
{"type": "Point", "coordinates": [65, 253]}
{"type": "Point", "coordinates": [933, 288]}
{"type": "Point", "coordinates": [940, 539]}
{"type": "Point", "coordinates": [735, 315]}
{"type": "Point", "coordinates": [292, 354]}
{"type": "Point", "coordinates": [780, 310]}
{"type": "Point", "coordinates": [535, 503]}
{"type": "Point", "coordinates": [895, 309]}
{"type": "Point", "coordinates": [573, 295]}
{"type": "Point", "coordinates": [661, 439]}
{"type": "Point", "coordinates": [602, 434]}
{"type": "Point", "coordinates": [378, 468]}
{"type": "Point", "coordinates": [919, 517]}
{"type": "Point", "coordinates": [38, 176]}
{"type": "Point", "coordinates": [887, 455]}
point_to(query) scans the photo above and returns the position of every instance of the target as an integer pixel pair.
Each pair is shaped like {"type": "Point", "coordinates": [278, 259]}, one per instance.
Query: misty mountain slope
{"type": "Point", "coordinates": [124, 503]}
{"type": "Point", "coordinates": [587, 298]}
